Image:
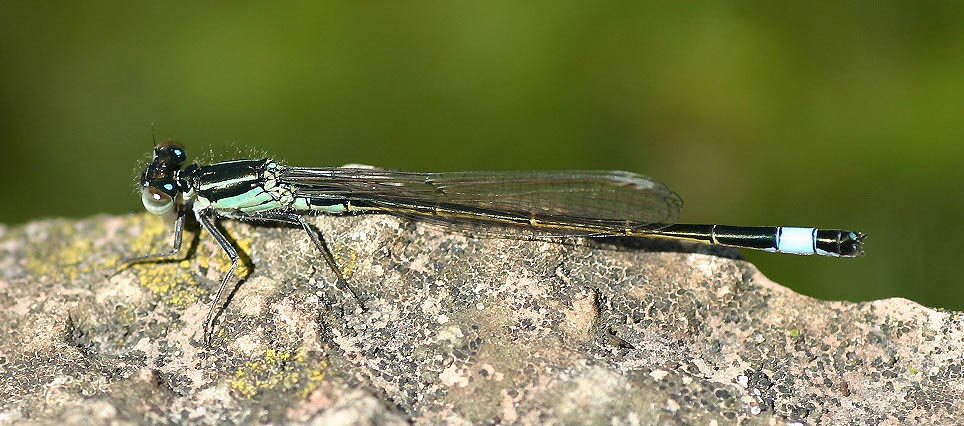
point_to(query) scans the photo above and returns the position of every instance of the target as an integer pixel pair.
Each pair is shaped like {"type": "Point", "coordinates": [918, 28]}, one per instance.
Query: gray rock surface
{"type": "Point", "coordinates": [457, 329]}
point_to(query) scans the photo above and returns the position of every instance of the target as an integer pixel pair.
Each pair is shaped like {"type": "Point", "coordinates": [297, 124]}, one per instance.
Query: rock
{"type": "Point", "coordinates": [456, 329]}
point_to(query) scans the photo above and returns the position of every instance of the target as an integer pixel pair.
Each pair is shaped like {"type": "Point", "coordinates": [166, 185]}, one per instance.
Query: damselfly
{"type": "Point", "coordinates": [581, 203]}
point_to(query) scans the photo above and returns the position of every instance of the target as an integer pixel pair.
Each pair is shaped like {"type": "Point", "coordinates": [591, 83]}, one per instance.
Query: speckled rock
{"type": "Point", "coordinates": [456, 329]}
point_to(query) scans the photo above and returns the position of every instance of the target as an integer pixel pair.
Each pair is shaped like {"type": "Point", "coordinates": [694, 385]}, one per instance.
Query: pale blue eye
{"type": "Point", "coordinates": [156, 202]}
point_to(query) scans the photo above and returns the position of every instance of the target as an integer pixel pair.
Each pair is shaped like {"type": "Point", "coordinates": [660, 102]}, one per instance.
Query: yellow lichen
{"type": "Point", "coordinates": [156, 235]}
{"type": "Point", "coordinates": [217, 260]}
{"type": "Point", "coordinates": [172, 281]}
{"type": "Point", "coordinates": [175, 282]}
{"type": "Point", "coordinates": [279, 371]}
{"type": "Point", "coordinates": [65, 254]}
{"type": "Point", "coordinates": [346, 258]}
{"type": "Point", "coordinates": [126, 315]}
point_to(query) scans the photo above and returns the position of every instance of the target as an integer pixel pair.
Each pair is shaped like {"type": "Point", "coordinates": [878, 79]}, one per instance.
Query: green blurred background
{"type": "Point", "coordinates": [755, 112]}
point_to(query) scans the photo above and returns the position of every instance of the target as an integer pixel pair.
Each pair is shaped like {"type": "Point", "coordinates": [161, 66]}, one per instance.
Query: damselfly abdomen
{"type": "Point", "coordinates": [582, 203]}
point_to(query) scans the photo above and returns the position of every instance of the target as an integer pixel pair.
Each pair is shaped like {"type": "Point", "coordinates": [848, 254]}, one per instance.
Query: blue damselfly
{"type": "Point", "coordinates": [579, 203]}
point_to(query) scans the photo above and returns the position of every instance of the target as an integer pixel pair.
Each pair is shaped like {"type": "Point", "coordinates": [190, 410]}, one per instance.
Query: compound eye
{"type": "Point", "coordinates": [170, 152]}
{"type": "Point", "coordinates": [156, 201]}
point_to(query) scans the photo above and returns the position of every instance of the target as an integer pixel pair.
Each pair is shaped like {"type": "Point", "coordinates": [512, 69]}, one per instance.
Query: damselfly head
{"type": "Point", "coordinates": [160, 184]}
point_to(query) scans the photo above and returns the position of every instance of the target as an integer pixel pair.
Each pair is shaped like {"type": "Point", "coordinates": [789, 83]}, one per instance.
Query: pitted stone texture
{"type": "Point", "coordinates": [455, 329]}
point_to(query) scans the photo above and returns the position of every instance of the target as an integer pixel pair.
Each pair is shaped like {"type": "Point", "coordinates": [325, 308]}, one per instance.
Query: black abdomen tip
{"type": "Point", "coordinates": [838, 242]}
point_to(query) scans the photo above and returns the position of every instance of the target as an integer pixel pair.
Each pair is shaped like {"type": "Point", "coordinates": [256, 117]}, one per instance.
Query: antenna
{"type": "Point", "coordinates": [153, 135]}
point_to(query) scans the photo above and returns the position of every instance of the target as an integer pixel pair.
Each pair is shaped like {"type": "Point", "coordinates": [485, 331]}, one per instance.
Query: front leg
{"type": "Point", "coordinates": [175, 249]}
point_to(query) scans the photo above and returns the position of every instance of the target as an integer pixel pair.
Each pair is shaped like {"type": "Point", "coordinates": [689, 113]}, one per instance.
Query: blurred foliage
{"type": "Point", "coordinates": [842, 114]}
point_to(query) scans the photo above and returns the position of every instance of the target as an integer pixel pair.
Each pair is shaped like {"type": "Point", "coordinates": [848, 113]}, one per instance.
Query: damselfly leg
{"type": "Point", "coordinates": [270, 217]}
{"type": "Point", "coordinates": [175, 249]}
{"type": "Point", "coordinates": [316, 238]}
{"type": "Point", "coordinates": [206, 220]}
